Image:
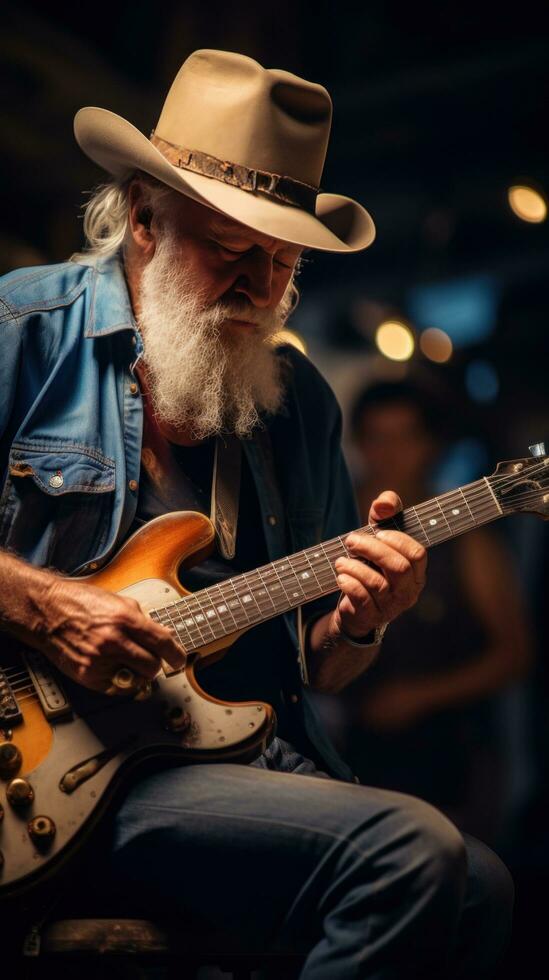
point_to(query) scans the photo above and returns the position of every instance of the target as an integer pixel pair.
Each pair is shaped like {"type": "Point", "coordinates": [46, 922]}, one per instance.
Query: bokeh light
{"type": "Point", "coordinates": [527, 204]}
{"type": "Point", "coordinates": [436, 345]}
{"type": "Point", "coordinates": [395, 340]}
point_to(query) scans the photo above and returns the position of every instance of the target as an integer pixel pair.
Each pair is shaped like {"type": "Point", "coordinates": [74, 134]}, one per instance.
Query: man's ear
{"type": "Point", "coordinates": [140, 218]}
{"type": "Point", "coordinates": [144, 217]}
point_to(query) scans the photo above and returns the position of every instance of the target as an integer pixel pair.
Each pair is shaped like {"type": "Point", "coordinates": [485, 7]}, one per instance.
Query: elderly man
{"type": "Point", "coordinates": [120, 372]}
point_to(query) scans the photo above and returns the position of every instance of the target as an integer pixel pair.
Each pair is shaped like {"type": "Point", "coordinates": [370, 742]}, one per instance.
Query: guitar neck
{"type": "Point", "coordinates": [256, 596]}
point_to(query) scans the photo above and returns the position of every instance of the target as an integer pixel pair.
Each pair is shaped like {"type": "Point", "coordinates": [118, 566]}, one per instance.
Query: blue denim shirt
{"type": "Point", "coordinates": [71, 418]}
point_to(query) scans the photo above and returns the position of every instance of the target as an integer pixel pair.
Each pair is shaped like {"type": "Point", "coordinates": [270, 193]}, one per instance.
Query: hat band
{"type": "Point", "coordinates": [280, 188]}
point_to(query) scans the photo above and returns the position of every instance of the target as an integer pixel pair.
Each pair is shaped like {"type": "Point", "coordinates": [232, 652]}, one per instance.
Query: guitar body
{"type": "Point", "coordinates": [75, 762]}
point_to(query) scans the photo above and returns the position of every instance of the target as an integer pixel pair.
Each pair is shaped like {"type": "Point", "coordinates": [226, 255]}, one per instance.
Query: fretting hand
{"type": "Point", "coordinates": [373, 596]}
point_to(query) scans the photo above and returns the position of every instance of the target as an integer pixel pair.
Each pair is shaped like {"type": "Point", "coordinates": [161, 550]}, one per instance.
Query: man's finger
{"type": "Point", "coordinates": [159, 640]}
{"type": "Point", "coordinates": [386, 504]}
{"type": "Point", "coordinates": [395, 553]}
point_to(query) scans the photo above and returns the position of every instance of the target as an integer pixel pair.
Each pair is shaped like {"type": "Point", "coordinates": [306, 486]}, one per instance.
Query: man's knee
{"type": "Point", "coordinates": [424, 845]}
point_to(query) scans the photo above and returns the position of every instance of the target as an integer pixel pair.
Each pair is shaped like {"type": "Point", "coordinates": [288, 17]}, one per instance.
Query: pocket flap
{"type": "Point", "coordinates": [63, 470]}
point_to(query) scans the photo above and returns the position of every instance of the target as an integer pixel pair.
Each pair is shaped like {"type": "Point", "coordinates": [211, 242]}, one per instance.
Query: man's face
{"type": "Point", "coordinates": [211, 297]}
{"type": "Point", "coordinates": [232, 263]}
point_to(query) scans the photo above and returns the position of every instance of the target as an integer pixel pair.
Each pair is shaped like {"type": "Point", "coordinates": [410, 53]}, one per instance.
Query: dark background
{"type": "Point", "coordinates": [438, 109]}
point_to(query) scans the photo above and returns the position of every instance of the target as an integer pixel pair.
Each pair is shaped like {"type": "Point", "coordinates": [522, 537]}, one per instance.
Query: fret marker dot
{"type": "Point", "coordinates": [455, 511]}
{"type": "Point", "coordinates": [433, 521]}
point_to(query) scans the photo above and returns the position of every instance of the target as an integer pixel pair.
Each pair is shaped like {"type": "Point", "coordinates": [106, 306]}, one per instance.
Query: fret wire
{"type": "Point", "coordinates": [224, 602]}
{"type": "Point", "coordinates": [311, 566]}
{"type": "Point", "coordinates": [280, 580]}
{"type": "Point", "coordinates": [421, 525]}
{"type": "Point", "coordinates": [267, 579]}
{"type": "Point", "coordinates": [334, 575]}
{"type": "Point", "coordinates": [467, 505]}
{"type": "Point", "coordinates": [170, 623]}
{"type": "Point", "coordinates": [241, 606]}
{"type": "Point", "coordinates": [233, 606]}
{"type": "Point", "coordinates": [186, 638]}
{"type": "Point", "coordinates": [267, 588]}
{"type": "Point", "coordinates": [252, 593]}
{"type": "Point", "coordinates": [192, 615]}
{"type": "Point", "coordinates": [298, 566]}
{"type": "Point", "coordinates": [303, 563]}
{"type": "Point", "coordinates": [205, 609]}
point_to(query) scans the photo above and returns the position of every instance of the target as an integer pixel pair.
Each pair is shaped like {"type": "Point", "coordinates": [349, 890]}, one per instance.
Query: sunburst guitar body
{"type": "Point", "coordinates": [64, 749]}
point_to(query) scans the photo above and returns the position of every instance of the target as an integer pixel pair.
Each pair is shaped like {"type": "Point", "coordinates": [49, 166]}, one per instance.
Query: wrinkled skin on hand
{"type": "Point", "coordinates": [372, 596]}
{"type": "Point", "coordinates": [89, 633]}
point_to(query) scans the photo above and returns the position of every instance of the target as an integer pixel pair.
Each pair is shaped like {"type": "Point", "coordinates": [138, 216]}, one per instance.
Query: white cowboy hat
{"type": "Point", "coordinates": [245, 140]}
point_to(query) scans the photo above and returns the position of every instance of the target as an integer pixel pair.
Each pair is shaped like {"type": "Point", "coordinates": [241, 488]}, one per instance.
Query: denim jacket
{"type": "Point", "coordinates": [71, 418]}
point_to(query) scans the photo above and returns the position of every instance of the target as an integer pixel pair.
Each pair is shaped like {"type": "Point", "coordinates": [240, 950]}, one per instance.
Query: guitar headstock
{"type": "Point", "coordinates": [523, 484]}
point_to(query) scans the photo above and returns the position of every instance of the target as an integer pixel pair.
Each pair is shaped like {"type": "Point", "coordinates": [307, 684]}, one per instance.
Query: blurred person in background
{"type": "Point", "coordinates": [423, 719]}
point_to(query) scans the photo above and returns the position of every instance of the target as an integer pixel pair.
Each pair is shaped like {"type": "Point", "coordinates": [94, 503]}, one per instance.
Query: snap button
{"type": "Point", "coordinates": [133, 485]}
{"type": "Point", "coordinates": [271, 520]}
{"type": "Point", "coordinates": [93, 565]}
{"type": "Point", "coordinates": [133, 388]}
{"type": "Point", "coordinates": [294, 698]}
{"type": "Point", "coordinates": [56, 480]}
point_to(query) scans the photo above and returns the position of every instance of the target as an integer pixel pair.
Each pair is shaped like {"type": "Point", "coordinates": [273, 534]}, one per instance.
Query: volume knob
{"type": "Point", "coordinates": [10, 759]}
{"type": "Point", "coordinates": [19, 792]}
{"type": "Point", "coordinates": [41, 830]}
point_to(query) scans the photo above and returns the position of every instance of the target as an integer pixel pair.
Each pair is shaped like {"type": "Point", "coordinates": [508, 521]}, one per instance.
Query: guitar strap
{"type": "Point", "coordinates": [225, 494]}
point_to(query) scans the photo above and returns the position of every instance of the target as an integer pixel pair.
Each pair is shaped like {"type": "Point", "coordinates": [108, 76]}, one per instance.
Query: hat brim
{"type": "Point", "coordinates": [339, 225]}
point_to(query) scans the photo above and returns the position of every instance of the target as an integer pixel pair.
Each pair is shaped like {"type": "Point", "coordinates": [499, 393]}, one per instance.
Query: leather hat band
{"type": "Point", "coordinates": [278, 187]}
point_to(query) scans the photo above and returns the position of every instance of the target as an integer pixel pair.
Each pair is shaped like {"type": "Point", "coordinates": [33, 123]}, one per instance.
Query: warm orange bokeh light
{"type": "Point", "coordinates": [395, 340]}
{"type": "Point", "coordinates": [527, 204]}
{"type": "Point", "coordinates": [436, 345]}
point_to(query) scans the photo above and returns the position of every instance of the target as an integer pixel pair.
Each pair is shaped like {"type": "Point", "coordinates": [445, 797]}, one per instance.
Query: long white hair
{"type": "Point", "coordinates": [106, 213]}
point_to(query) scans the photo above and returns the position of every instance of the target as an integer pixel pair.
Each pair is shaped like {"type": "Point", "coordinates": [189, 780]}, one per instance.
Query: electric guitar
{"type": "Point", "coordinates": [65, 750]}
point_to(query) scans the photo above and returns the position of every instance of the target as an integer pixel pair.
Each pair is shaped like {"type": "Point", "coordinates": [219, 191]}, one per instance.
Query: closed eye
{"type": "Point", "coordinates": [244, 251]}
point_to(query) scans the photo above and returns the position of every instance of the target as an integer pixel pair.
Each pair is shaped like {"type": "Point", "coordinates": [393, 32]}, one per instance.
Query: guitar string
{"type": "Point", "coordinates": [303, 559]}
{"type": "Point", "coordinates": [432, 506]}
{"type": "Point", "coordinates": [196, 634]}
{"type": "Point", "coordinates": [252, 592]}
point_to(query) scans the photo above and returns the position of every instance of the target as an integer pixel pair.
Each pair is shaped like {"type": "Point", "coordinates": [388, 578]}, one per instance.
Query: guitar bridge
{"type": "Point", "coordinates": [10, 712]}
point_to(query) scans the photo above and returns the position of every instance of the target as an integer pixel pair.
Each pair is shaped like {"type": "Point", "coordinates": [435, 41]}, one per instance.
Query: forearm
{"type": "Point", "coordinates": [332, 662]}
{"type": "Point", "coordinates": [23, 588]}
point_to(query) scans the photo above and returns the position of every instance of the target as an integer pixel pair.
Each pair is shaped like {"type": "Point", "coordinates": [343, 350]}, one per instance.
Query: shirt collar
{"type": "Point", "coordinates": [111, 309]}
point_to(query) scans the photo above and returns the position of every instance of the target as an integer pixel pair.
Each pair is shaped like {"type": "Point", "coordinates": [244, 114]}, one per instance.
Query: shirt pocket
{"type": "Point", "coordinates": [57, 503]}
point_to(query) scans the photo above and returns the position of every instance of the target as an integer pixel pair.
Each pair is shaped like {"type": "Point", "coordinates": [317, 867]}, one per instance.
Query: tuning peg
{"type": "Point", "coordinates": [538, 449]}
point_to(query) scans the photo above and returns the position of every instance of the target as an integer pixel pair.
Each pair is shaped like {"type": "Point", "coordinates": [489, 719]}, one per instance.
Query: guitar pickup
{"type": "Point", "coordinates": [10, 712]}
{"type": "Point", "coordinates": [53, 699]}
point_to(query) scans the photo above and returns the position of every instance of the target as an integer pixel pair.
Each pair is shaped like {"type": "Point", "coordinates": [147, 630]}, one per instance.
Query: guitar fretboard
{"type": "Point", "coordinates": [253, 597]}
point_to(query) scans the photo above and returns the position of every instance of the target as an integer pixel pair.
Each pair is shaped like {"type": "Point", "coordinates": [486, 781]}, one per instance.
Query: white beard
{"type": "Point", "coordinates": [202, 378]}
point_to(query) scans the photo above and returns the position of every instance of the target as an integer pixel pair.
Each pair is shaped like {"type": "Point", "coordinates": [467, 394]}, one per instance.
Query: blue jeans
{"type": "Point", "coordinates": [367, 883]}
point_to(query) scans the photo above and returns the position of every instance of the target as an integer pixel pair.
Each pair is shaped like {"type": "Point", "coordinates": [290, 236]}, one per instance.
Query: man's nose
{"type": "Point", "coordinates": [256, 278]}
